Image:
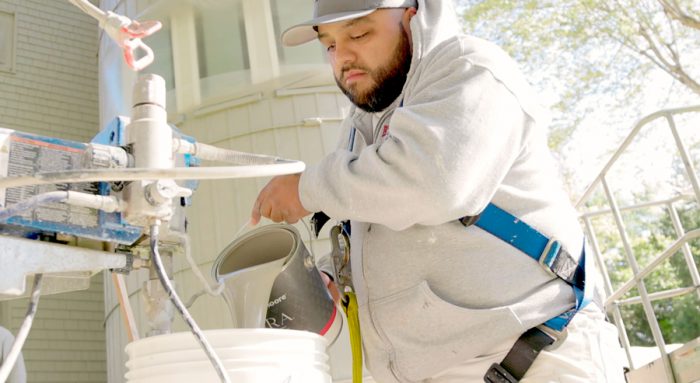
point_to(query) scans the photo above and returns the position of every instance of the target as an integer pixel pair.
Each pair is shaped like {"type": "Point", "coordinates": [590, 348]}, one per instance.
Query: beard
{"type": "Point", "coordinates": [388, 79]}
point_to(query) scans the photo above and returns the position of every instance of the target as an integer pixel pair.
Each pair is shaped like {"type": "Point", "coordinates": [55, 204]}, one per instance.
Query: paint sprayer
{"type": "Point", "coordinates": [69, 210]}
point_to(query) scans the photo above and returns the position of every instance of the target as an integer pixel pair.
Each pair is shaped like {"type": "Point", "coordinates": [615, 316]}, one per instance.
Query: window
{"type": "Point", "coordinates": [287, 13]}
{"type": "Point", "coordinates": [7, 41]}
{"type": "Point", "coordinates": [205, 51]}
{"type": "Point", "coordinates": [221, 48]}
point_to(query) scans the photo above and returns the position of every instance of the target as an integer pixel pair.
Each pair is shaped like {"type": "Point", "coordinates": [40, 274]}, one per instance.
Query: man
{"type": "Point", "coordinates": [18, 373]}
{"type": "Point", "coordinates": [443, 125]}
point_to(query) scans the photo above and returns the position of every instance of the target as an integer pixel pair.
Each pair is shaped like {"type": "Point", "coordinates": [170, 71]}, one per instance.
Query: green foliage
{"type": "Point", "coordinates": [588, 52]}
{"type": "Point", "coordinates": [677, 317]}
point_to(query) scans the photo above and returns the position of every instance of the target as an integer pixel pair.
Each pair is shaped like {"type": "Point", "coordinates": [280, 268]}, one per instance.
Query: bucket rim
{"type": "Point", "coordinates": [273, 334]}
{"type": "Point", "coordinates": [256, 232]}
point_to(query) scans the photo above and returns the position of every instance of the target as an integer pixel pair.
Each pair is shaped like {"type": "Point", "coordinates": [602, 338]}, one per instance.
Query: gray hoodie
{"type": "Point", "coordinates": [433, 294]}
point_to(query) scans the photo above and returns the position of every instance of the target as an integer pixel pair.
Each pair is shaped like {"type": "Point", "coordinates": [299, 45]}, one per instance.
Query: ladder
{"type": "Point", "coordinates": [681, 365]}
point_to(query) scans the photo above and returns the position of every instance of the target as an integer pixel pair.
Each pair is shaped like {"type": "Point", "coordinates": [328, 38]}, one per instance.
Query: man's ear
{"type": "Point", "coordinates": [408, 14]}
{"type": "Point", "coordinates": [406, 22]}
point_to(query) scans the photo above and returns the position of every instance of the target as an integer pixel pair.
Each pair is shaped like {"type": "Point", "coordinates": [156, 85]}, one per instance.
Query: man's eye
{"type": "Point", "coordinates": [330, 48]}
{"type": "Point", "coordinates": [358, 36]}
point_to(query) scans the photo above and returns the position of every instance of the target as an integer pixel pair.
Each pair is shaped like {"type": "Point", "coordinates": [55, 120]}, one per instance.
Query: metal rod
{"type": "Point", "coordinates": [687, 161]}
{"type": "Point", "coordinates": [639, 206]}
{"type": "Point", "coordinates": [637, 127]}
{"type": "Point", "coordinates": [687, 254]}
{"type": "Point", "coordinates": [665, 294]}
{"type": "Point", "coordinates": [132, 332]}
{"type": "Point", "coordinates": [140, 174]}
{"type": "Point", "coordinates": [614, 307]}
{"type": "Point", "coordinates": [655, 262]}
{"type": "Point", "coordinates": [641, 287]}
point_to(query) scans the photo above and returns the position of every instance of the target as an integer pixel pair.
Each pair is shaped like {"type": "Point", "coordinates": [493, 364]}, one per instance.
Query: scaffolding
{"type": "Point", "coordinates": [680, 365]}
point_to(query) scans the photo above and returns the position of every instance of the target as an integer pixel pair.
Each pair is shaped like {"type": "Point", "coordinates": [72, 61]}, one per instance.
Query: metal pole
{"type": "Point", "coordinates": [680, 232]}
{"type": "Point", "coordinates": [689, 168]}
{"type": "Point", "coordinates": [617, 315]}
{"type": "Point", "coordinates": [648, 308]}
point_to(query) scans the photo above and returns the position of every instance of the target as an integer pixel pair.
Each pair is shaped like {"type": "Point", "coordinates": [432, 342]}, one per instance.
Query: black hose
{"type": "Point", "coordinates": [165, 281]}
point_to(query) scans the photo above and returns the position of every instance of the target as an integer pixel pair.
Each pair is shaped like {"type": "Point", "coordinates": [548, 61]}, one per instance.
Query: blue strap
{"type": "Point", "coordinates": [510, 229]}
{"type": "Point", "coordinates": [550, 254]}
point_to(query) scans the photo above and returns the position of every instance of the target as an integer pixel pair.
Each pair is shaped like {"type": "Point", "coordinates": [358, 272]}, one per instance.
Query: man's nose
{"type": "Point", "coordinates": [344, 54]}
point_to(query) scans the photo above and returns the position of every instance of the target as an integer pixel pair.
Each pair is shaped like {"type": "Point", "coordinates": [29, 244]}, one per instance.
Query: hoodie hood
{"type": "Point", "coordinates": [434, 23]}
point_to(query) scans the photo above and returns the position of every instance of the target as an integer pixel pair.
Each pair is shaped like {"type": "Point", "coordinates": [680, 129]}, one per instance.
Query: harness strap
{"type": "Point", "coordinates": [555, 260]}
{"type": "Point", "coordinates": [548, 252]}
{"type": "Point", "coordinates": [519, 358]}
{"type": "Point", "coordinates": [349, 304]}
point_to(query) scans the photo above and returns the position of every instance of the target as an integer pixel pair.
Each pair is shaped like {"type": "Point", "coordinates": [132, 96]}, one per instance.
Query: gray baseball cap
{"type": "Point", "coordinates": [331, 11]}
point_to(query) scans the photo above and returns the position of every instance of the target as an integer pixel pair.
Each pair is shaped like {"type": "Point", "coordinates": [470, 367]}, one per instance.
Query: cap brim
{"type": "Point", "coordinates": [304, 32]}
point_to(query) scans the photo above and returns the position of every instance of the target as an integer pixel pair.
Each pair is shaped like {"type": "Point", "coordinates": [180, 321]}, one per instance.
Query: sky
{"type": "Point", "coordinates": [608, 120]}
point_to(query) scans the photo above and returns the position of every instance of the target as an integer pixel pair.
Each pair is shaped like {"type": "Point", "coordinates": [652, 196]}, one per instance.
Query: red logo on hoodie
{"type": "Point", "coordinates": [385, 131]}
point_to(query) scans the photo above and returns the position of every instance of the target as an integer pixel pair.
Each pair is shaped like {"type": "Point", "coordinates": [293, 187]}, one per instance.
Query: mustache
{"type": "Point", "coordinates": [347, 68]}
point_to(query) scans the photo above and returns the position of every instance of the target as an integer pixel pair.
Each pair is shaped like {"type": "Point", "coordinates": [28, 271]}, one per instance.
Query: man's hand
{"type": "Point", "coordinates": [279, 201]}
{"type": "Point", "coordinates": [331, 286]}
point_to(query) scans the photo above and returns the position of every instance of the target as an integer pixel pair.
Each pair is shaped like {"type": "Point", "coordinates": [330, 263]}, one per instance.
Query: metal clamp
{"type": "Point", "coordinates": [558, 336]}
{"type": "Point", "coordinates": [549, 255]}
{"type": "Point", "coordinates": [340, 256]}
{"type": "Point", "coordinates": [128, 267]}
{"type": "Point", "coordinates": [497, 374]}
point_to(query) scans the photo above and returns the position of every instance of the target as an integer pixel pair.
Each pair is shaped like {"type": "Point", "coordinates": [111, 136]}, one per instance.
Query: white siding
{"type": "Point", "coordinates": [67, 340]}
{"type": "Point", "coordinates": [52, 91]}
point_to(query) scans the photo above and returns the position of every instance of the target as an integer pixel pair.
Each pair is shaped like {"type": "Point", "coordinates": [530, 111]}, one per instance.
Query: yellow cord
{"type": "Point", "coordinates": [350, 307]}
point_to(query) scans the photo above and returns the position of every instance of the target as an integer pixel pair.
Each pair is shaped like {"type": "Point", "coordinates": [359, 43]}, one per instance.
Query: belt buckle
{"type": "Point", "coordinates": [558, 336]}
{"type": "Point", "coordinates": [549, 254]}
{"type": "Point", "coordinates": [497, 374]}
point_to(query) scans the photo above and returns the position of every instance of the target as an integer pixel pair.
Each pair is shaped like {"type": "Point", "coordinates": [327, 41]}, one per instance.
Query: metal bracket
{"type": "Point", "coordinates": [29, 257]}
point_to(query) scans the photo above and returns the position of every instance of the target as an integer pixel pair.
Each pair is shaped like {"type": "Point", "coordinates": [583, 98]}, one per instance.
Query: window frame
{"type": "Point", "coordinates": [9, 67]}
{"type": "Point", "coordinates": [262, 50]}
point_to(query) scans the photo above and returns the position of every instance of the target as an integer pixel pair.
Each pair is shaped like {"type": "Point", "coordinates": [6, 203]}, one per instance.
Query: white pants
{"type": "Point", "coordinates": [590, 353]}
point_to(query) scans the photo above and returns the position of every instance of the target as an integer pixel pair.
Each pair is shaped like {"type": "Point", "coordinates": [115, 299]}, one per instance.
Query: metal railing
{"type": "Point", "coordinates": [614, 301]}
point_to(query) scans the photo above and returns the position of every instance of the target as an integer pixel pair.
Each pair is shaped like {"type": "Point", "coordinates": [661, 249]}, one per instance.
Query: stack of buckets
{"type": "Point", "coordinates": [248, 355]}
{"type": "Point", "coordinates": [260, 267]}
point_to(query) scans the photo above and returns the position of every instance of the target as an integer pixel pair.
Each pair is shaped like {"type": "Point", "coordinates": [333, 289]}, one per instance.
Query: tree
{"type": "Point", "coordinates": [639, 27]}
{"type": "Point", "coordinates": [597, 62]}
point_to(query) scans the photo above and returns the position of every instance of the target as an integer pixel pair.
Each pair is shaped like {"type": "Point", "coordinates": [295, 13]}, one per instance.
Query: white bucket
{"type": "Point", "coordinates": [240, 376]}
{"type": "Point", "coordinates": [235, 355]}
{"type": "Point", "coordinates": [248, 355]}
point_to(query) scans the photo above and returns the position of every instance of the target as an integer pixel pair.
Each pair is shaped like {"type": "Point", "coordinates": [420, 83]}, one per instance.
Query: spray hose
{"type": "Point", "coordinates": [350, 308]}
{"type": "Point", "coordinates": [177, 302]}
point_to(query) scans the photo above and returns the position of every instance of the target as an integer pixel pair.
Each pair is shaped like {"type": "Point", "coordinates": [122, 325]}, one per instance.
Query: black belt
{"type": "Point", "coordinates": [519, 358]}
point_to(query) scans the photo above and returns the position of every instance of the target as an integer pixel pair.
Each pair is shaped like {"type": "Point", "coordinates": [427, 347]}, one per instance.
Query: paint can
{"type": "Point", "coordinates": [272, 281]}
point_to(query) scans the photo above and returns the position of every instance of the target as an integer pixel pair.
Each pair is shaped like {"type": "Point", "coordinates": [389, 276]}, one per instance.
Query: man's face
{"type": "Point", "coordinates": [370, 56]}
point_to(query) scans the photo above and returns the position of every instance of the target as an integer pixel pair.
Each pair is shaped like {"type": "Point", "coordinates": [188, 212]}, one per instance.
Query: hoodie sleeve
{"type": "Point", "coordinates": [449, 147]}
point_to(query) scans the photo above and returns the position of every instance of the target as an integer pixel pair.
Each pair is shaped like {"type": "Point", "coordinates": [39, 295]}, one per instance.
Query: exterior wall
{"type": "Point", "coordinates": [53, 88]}
{"type": "Point", "coordinates": [52, 91]}
{"type": "Point", "coordinates": [67, 340]}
